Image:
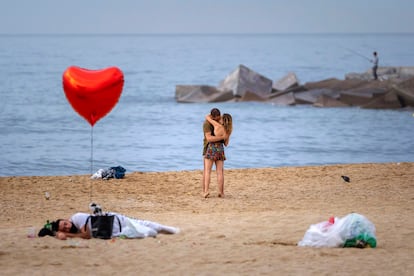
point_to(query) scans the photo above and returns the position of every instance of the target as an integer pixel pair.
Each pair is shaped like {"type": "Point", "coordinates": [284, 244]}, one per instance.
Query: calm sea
{"type": "Point", "coordinates": [147, 130]}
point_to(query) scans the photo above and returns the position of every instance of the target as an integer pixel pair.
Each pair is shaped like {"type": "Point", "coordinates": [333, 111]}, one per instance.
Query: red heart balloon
{"type": "Point", "coordinates": [93, 93]}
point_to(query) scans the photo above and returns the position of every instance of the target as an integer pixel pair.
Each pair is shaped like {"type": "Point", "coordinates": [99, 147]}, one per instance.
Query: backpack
{"type": "Point", "coordinates": [102, 226]}
{"type": "Point", "coordinates": [119, 172]}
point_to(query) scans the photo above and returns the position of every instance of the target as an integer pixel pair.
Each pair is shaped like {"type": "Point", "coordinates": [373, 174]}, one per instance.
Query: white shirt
{"type": "Point", "coordinates": [375, 61]}
{"type": "Point", "coordinates": [79, 220]}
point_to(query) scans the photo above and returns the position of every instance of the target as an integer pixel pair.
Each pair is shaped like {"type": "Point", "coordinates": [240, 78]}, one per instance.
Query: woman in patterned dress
{"type": "Point", "coordinates": [215, 150]}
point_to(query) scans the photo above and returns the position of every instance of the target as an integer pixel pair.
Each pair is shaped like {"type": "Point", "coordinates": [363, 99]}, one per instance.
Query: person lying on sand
{"type": "Point", "coordinates": [122, 226]}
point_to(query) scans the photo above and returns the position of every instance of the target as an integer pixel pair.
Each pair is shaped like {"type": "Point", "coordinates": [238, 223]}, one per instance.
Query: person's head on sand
{"type": "Point", "coordinates": [227, 123]}
{"type": "Point", "coordinates": [215, 114]}
{"type": "Point", "coordinates": [60, 225]}
{"type": "Point", "coordinates": [64, 225]}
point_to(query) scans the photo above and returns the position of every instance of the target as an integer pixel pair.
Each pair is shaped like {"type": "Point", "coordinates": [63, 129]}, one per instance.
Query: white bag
{"type": "Point", "coordinates": [335, 233]}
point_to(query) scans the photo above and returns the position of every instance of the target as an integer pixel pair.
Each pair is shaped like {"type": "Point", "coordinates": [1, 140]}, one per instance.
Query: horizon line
{"type": "Point", "coordinates": [212, 33]}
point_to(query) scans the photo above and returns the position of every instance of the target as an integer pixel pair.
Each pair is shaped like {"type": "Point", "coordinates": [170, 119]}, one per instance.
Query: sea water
{"type": "Point", "coordinates": [148, 130]}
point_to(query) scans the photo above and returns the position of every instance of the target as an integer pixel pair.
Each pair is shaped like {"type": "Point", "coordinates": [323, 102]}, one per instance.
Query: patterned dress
{"type": "Point", "coordinates": [215, 151]}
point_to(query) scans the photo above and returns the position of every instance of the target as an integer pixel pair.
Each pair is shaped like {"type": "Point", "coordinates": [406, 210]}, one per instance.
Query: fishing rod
{"type": "Point", "coordinates": [355, 52]}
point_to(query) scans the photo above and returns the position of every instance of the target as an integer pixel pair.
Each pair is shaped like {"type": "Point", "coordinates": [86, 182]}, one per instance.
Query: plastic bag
{"type": "Point", "coordinates": [353, 230]}
{"type": "Point", "coordinates": [98, 174]}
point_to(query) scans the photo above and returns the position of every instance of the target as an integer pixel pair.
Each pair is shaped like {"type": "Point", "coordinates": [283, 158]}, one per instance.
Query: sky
{"type": "Point", "coordinates": [205, 16]}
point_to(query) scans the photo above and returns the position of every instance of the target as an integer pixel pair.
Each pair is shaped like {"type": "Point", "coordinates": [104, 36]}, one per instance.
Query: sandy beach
{"type": "Point", "coordinates": [254, 230]}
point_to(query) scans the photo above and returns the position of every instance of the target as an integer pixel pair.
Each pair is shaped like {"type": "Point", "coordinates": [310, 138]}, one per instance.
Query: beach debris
{"type": "Point", "coordinates": [47, 195]}
{"type": "Point", "coordinates": [112, 172]}
{"type": "Point", "coordinates": [346, 178]}
{"type": "Point", "coordinates": [31, 232]}
{"type": "Point", "coordinates": [71, 243]}
{"type": "Point", "coordinates": [353, 230]}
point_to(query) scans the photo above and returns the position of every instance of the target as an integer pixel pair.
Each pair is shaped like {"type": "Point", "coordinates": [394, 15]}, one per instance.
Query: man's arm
{"type": "Point", "coordinates": [211, 121]}
{"type": "Point", "coordinates": [84, 234]}
{"type": "Point", "coordinates": [211, 138]}
{"type": "Point", "coordinates": [207, 133]}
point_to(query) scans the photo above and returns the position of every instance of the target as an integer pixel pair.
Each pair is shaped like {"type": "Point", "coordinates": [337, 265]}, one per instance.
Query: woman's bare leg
{"type": "Point", "coordinates": [220, 177]}
{"type": "Point", "coordinates": [208, 164]}
{"type": "Point", "coordinates": [204, 169]}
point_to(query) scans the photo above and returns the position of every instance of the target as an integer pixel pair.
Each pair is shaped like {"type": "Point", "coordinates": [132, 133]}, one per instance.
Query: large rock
{"type": "Point", "coordinates": [405, 91]}
{"type": "Point", "coordinates": [327, 101]}
{"type": "Point", "coordinates": [201, 94]}
{"type": "Point", "coordinates": [184, 90]}
{"type": "Point", "coordinates": [251, 97]}
{"type": "Point", "coordinates": [335, 84]}
{"type": "Point", "coordinates": [223, 96]}
{"type": "Point", "coordinates": [386, 101]}
{"type": "Point", "coordinates": [285, 83]}
{"type": "Point", "coordinates": [311, 96]}
{"type": "Point", "coordinates": [358, 76]}
{"type": "Point", "coordinates": [244, 79]}
{"type": "Point", "coordinates": [299, 88]}
{"type": "Point", "coordinates": [360, 96]}
{"type": "Point", "coordinates": [283, 99]}
{"type": "Point", "coordinates": [406, 72]}
{"type": "Point", "coordinates": [393, 90]}
{"type": "Point", "coordinates": [385, 73]}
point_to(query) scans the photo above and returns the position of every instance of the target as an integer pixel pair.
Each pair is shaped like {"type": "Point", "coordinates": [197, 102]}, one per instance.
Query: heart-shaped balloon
{"type": "Point", "coordinates": [93, 93]}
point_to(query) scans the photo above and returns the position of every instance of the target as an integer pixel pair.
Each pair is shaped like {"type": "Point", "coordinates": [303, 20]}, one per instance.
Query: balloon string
{"type": "Point", "coordinates": [90, 190]}
{"type": "Point", "coordinates": [91, 150]}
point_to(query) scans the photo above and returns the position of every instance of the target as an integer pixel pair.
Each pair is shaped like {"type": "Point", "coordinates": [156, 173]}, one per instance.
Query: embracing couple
{"type": "Point", "coordinates": [217, 130]}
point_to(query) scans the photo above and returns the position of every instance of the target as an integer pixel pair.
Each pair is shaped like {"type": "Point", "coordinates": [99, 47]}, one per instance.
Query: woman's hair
{"type": "Point", "coordinates": [228, 123]}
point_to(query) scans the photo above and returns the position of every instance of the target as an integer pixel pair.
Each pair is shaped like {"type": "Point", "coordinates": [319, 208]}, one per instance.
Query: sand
{"type": "Point", "coordinates": [253, 230]}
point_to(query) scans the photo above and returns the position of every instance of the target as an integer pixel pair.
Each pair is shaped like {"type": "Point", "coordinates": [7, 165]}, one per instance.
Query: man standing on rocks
{"type": "Point", "coordinates": [375, 67]}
